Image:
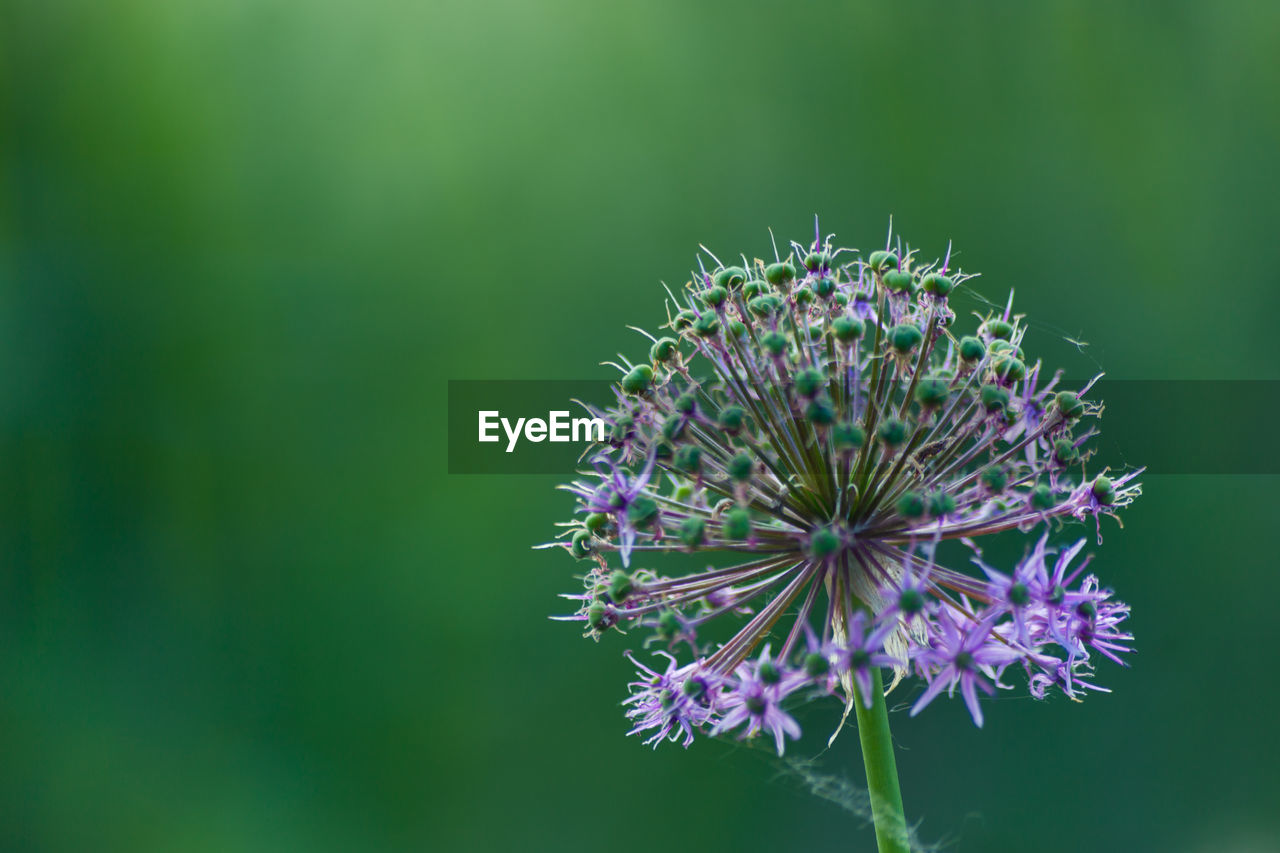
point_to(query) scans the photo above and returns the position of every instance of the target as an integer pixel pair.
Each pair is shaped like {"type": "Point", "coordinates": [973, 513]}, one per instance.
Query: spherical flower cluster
{"type": "Point", "coordinates": [821, 420]}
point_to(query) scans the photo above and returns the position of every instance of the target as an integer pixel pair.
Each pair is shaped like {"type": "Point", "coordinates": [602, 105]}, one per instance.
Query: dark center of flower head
{"type": "Point", "coordinates": [1019, 595]}
{"type": "Point", "coordinates": [694, 688]}
{"type": "Point", "coordinates": [859, 659]}
{"type": "Point", "coordinates": [1058, 594]}
{"type": "Point", "coordinates": [769, 673]}
{"type": "Point", "coordinates": [911, 601]}
{"type": "Point", "coordinates": [756, 705]}
{"type": "Point", "coordinates": [964, 660]}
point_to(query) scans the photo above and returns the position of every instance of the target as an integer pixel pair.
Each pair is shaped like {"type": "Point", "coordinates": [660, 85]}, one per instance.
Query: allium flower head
{"type": "Point", "coordinates": [826, 421]}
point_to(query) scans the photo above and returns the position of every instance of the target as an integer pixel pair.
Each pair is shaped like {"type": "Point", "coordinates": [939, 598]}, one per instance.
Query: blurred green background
{"type": "Point", "coordinates": [245, 244]}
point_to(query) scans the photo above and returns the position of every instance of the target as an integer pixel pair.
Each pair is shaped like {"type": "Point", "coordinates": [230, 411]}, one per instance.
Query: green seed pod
{"type": "Point", "coordinates": [994, 398]}
{"type": "Point", "coordinates": [768, 673]}
{"type": "Point", "coordinates": [815, 261]}
{"type": "Point", "coordinates": [1019, 595]}
{"type": "Point", "coordinates": [729, 277]}
{"type": "Point", "coordinates": [999, 329]}
{"type": "Point", "coordinates": [689, 458]}
{"type": "Point", "coordinates": [683, 492]}
{"type": "Point", "coordinates": [693, 531]}
{"type": "Point", "coordinates": [842, 298]}
{"type": "Point", "coordinates": [714, 296]}
{"type": "Point", "coordinates": [940, 504]}
{"type": "Point", "coordinates": [803, 295]}
{"type": "Point", "coordinates": [754, 288]}
{"type": "Point", "coordinates": [892, 432]}
{"type": "Point", "coordinates": [741, 467]}
{"type": "Point", "coordinates": [1042, 498]}
{"type": "Point", "coordinates": [825, 287]}
{"type": "Point", "coordinates": [623, 428]}
{"type": "Point", "coordinates": [663, 349]}
{"type": "Point", "coordinates": [1104, 490]}
{"type": "Point", "coordinates": [911, 601]}
{"type": "Point", "coordinates": [683, 319]}
{"type": "Point", "coordinates": [823, 542]}
{"type": "Point", "coordinates": [619, 586]}
{"type": "Point", "coordinates": [994, 479]}
{"type": "Point", "coordinates": [820, 413]}
{"type": "Point", "coordinates": [599, 616]}
{"type": "Point", "coordinates": [694, 688]}
{"type": "Point", "coordinates": [848, 436]}
{"type": "Point", "coordinates": [642, 511]}
{"type": "Point", "coordinates": [898, 282]}
{"type": "Point", "coordinates": [638, 380]}
{"type": "Point", "coordinates": [1087, 610]}
{"type": "Point", "coordinates": [596, 521]}
{"type": "Point", "coordinates": [809, 381]}
{"type": "Point", "coordinates": [674, 426]}
{"type": "Point", "coordinates": [1069, 404]}
{"type": "Point", "coordinates": [932, 392]}
{"type": "Point", "coordinates": [1008, 368]}
{"type": "Point", "coordinates": [847, 329]}
{"type": "Point", "coordinates": [815, 665]}
{"type": "Point", "coordinates": [731, 419]}
{"type": "Point", "coordinates": [737, 523]}
{"type": "Point", "coordinates": [663, 451]}
{"type": "Point", "coordinates": [905, 337]}
{"type": "Point", "coordinates": [580, 544]}
{"type": "Point", "coordinates": [668, 624]}
{"type": "Point", "coordinates": [1065, 452]}
{"type": "Point", "coordinates": [881, 261]}
{"type": "Point", "coordinates": [686, 403]}
{"type": "Point", "coordinates": [780, 273]}
{"type": "Point", "coordinates": [774, 343]}
{"type": "Point", "coordinates": [911, 505]}
{"type": "Point", "coordinates": [937, 284]}
{"type": "Point", "coordinates": [707, 326]}
{"type": "Point", "coordinates": [971, 349]}
{"type": "Point", "coordinates": [737, 328]}
{"type": "Point", "coordinates": [763, 306]}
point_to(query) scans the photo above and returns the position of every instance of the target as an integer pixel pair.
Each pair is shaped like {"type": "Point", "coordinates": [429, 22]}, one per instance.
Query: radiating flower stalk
{"type": "Point", "coordinates": [822, 420]}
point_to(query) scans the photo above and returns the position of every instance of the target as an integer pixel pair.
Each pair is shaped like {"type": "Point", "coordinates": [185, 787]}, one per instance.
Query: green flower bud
{"type": "Point", "coordinates": [741, 467]}
{"type": "Point", "coordinates": [619, 586]}
{"type": "Point", "coordinates": [881, 261]}
{"type": "Point", "coordinates": [686, 403]}
{"type": "Point", "coordinates": [642, 511]}
{"type": "Point", "coordinates": [1019, 595]}
{"type": "Point", "coordinates": [937, 284]}
{"type": "Point", "coordinates": [622, 428]}
{"type": "Point", "coordinates": [599, 617]}
{"type": "Point", "coordinates": [663, 349]}
{"type": "Point", "coordinates": [774, 343]}
{"type": "Point", "coordinates": [638, 380]}
{"type": "Point", "coordinates": [763, 306]}
{"type": "Point", "coordinates": [779, 273]}
{"type": "Point", "coordinates": [689, 458]}
{"type": "Point", "coordinates": [815, 665]}
{"type": "Point", "coordinates": [769, 673]}
{"type": "Point", "coordinates": [683, 492]}
{"type": "Point", "coordinates": [803, 295]}
{"type": "Point", "coordinates": [754, 288]}
{"type": "Point", "coordinates": [898, 282]}
{"type": "Point", "coordinates": [596, 521]}
{"type": "Point", "coordinates": [847, 329]}
{"type": "Point", "coordinates": [815, 261]}
{"type": "Point", "coordinates": [994, 398]}
{"type": "Point", "coordinates": [848, 436]}
{"type": "Point", "coordinates": [731, 419]}
{"type": "Point", "coordinates": [1104, 490]}
{"type": "Point", "coordinates": [940, 504]}
{"type": "Point", "coordinates": [692, 531]}
{"type": "Point", "coordinates": [892, 432]}
{"type": "Point", "coordinates": [823, 542]}
{"type": "Point", "coordinates": [809, 381]}
{"type": "Point", "coordinates": [994, 479]}
{"type": "Point", "coordinates": [971, 349]}
{"type": "Point", "coordinates": [820, 412]}
{"type": "Point", "coordinates": [683, 319]}
{"type": "Point", "coordinates": [674, 426]}
{"type": "Point", "coordinates": [714, 296]}
{"type": "Point", "coordinates": [1042, 498]}
{"type": "Point", "coordinates": [668, 624]}
{"type": "Point", "coordinates": [932, 392]}
{"type": "Point", "coordinates": [825, 287]}
{"type": "Point", "coordinates": [1087, 610]}
{"type": "Point", "coordinates": [707, 326]}
{"type": "Point", "coordinates": [1008, 368]}
{"type": "Point", "coordinates": [911, 505]}
{"type": "Point", "coordinates": [729, 277]}
{"type": "Point", "coordinates": [842, 298]}
{"type": "Point", "coordinates": [737, 328]}
{"type": "Point", "coordinates": [1065, 452]}
{"type": "Point", "coordinates": [911, 601]}
{"type": "Point", "coordinates": [737, 524]}
{"type": "Point", "coordinates": [999, 329]}
{"type": "Point", "coordinates": [693, 688]}
{"type": "Point", "coordinates": [580, 544]}
{"type": "Point", "coordinates": [1069, 404]}
{"type": "Point", "coordinates": [905, 337]}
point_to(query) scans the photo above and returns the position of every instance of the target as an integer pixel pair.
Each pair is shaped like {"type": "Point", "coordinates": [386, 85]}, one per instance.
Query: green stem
{"type": "Point", "coordinates": [882, 771]}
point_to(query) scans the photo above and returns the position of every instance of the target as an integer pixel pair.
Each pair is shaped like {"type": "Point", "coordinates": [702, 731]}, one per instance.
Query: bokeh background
{"type": "Point", "coordinates": [246, 243]}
